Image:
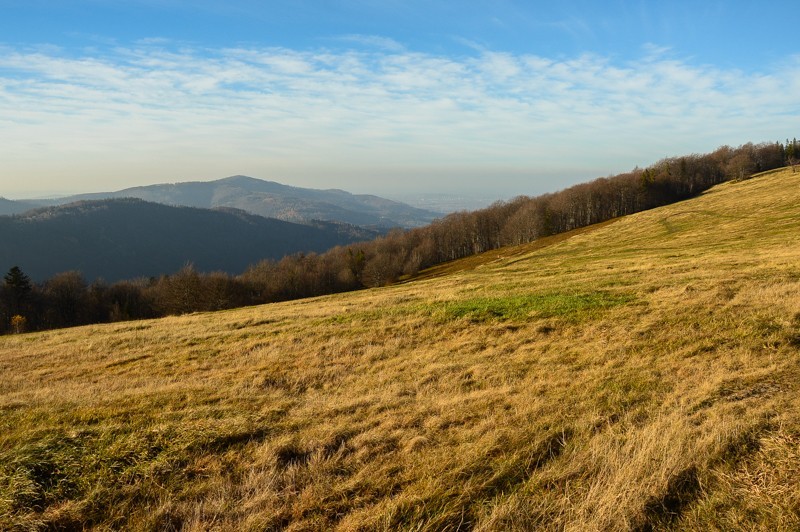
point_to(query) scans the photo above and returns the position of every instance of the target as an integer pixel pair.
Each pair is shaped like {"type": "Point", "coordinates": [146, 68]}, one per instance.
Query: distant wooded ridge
{"type": "Point", "coordinates": [67, 300]}
{"type": "Point", "coordinates": [262, 198]}
{"type": "Point", "coordinates": [128, 238]}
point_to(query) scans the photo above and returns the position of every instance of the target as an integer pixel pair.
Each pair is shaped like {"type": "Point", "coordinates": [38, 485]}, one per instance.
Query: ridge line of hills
{"type": "Point", "coordinates": [263, 198]}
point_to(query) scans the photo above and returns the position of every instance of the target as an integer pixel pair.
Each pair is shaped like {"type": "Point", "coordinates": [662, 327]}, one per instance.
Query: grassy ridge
{"type": "Point", "coordinates": [641, 375]}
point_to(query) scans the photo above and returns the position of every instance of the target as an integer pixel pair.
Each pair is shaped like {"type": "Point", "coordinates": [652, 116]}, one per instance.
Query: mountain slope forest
{"type": "Point", "coordinates": [642, 374]}
{"type": "Point", "coordinates": [68, 299]}
{"type": "Point", "coordinates": [274, 200]}
{"type": "Point", "coordinates": [128, 238]}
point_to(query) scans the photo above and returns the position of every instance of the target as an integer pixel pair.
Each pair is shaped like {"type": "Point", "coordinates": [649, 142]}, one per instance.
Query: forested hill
{"type": "Point", "coordinates": [130, 238]}
{"type": "Point", "coordinates": [8, 206]}
{"type": "Point", "coordinates": [275, 200]}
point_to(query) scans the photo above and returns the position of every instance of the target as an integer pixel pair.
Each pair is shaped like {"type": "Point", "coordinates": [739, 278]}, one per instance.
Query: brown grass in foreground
{"type": "Point", "coordinates": [643, 375]}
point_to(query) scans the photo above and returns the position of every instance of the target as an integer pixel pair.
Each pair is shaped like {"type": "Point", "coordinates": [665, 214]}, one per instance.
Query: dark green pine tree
{"type": "Point", "coordinates": [18, 286]}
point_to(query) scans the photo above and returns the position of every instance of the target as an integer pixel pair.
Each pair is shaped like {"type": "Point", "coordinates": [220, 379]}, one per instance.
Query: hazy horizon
{"type": "Point", "coordinates": [393, 99]}
{"type": "Point", "coordinates": [443, 202]}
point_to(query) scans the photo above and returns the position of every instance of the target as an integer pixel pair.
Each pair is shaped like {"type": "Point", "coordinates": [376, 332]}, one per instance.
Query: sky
{"type": "Point", "coordinates": [484, 98]}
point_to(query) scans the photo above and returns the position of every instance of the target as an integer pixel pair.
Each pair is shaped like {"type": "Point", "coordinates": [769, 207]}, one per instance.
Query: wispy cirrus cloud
{"type": "Point", "coordinates": [173, 112]}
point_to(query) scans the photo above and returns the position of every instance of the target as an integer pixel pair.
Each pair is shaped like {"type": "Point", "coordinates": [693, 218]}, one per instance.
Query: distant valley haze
{"type": "Point", "coordinates": [437, 202]}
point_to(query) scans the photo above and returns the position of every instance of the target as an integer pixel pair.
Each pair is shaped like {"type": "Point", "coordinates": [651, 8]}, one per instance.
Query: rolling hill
{"type": "Point", "coordinates": [8, 207]}
{"type": "Point", "coordinates": [274, 200]}
{"type": "Point", "coordinates": [128, 238]}
{"type": "Point", "coordinates": [639, 375]}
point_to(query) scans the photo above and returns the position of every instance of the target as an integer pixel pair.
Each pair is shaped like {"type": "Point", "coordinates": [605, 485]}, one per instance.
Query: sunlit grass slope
{"type": "Point", "coordinates": [641, 375]}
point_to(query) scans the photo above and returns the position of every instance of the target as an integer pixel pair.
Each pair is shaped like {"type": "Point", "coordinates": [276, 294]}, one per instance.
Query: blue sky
{"type": "Point", "coordinates": [493, 98]}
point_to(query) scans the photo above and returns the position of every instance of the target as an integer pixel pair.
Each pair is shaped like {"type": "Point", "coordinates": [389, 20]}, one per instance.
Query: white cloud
{"type": "Point", "coordinates": [164, 113]}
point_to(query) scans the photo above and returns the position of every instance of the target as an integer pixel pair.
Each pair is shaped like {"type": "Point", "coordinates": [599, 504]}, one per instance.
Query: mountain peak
{"type": "Point", "coordinates": [239, 179]}
{"type": "Point", "coordinates": [274, 200]}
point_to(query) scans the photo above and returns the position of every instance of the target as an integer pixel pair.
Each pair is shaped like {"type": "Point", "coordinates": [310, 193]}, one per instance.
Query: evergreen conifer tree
{"type": "Point", "coordinates": [18, 286]}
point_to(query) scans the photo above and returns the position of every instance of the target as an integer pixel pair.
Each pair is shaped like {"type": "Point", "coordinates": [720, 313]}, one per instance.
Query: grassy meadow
{"type": "Point", "coordinates": [639, 375]}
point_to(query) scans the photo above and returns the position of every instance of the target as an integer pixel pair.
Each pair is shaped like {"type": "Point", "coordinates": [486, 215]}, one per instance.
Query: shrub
{"type": "Point", "coordinates": [18, 324]}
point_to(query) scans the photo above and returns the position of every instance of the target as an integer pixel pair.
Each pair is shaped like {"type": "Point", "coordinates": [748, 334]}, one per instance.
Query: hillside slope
{"type": "Point", "coordinates": [130, 238]}
{"type": "Point", "coordinates": [643, 375]}
{"type": "Point", "coordinates": [275, 200]}
{"type": "Point", "coordinates": [8, 207]}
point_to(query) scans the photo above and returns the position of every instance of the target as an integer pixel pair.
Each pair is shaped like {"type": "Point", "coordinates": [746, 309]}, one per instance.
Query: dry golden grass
{"type": "Point", "coordinates": [643, 375]}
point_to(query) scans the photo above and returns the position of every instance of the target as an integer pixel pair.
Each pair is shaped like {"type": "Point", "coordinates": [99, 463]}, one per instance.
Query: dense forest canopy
{"type": "Point", "coordinates": [119, 239]}
{"type": "Point", "coordinates": [67, 300]}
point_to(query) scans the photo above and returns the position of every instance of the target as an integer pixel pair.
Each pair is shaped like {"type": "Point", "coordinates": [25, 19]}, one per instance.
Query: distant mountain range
{"type": "Point", "coordinates": [127, 238]}
{"type": "Point", "coordinates": [263, 198]}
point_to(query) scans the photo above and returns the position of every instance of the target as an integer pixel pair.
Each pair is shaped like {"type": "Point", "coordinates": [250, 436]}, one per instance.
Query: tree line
{"type": "Point", "coordinates": [67, 299]}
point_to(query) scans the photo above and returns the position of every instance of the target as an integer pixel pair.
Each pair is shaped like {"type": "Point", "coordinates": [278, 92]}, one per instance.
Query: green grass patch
{"type": "Point", "coordinates": [569, 306]}
{"type": "Point", "coordinates": [519, 307]}
{"type": "Point", "coordinates": [369, 316]}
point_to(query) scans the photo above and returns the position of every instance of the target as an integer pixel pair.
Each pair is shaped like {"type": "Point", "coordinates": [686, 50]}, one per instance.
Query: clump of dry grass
{"type": "Point", "coordinates": [642, 375]}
